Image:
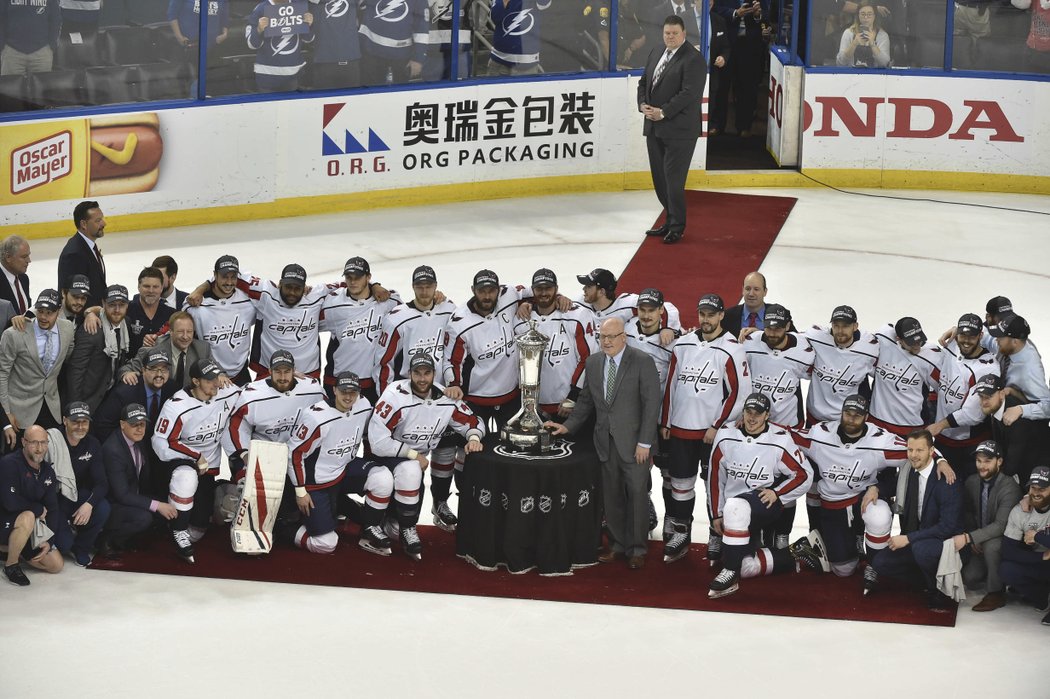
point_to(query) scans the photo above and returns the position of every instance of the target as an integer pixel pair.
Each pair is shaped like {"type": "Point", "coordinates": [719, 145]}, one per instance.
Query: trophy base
{"type": "Point", "coordinates": [526, 442]}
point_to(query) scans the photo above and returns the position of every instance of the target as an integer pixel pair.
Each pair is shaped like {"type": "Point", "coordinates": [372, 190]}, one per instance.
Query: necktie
{"type": "Point", "coordinates": [21, 298]}
{"type": "Point", "coordinates": [154, 408]}
{"type": "Point", "coordinates": [48, 359]}
{"type": "Point", "coordinates": [136, 457]}
{"type": "Point", "coordinates": [922, 496]}
{"type": "Point", "coordinates": [679, 10]}
{"type": "Point", "coordinates": [101, 262]}
{"type": "Point", "coordinates": [662, 67]}
{"type": "Point", "coordinates": [610, 380]}
{"type": "Point", "coordinates": [179, 369]}
{"type": "Point", "coordinates": [752, 320]}
{"type": "Point", "coordinates": [1004, 366]}
{"type": "Point", "coordinates": [910, 521]}
{"type": "Point", "coordinates": [985, 487]}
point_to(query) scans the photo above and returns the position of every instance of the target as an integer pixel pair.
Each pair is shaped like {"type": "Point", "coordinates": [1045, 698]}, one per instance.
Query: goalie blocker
{"type": "Point", "coordinates": [252, 529]}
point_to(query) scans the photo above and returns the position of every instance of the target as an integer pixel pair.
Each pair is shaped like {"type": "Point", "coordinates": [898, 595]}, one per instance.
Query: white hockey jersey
{"type": "Point", "coordinates": [777, 374]}
{"type": "Point", "coordinates": [845, 469]}
{"type": "Point", "coordinates": [226, 325]}
{"type": "Point", "coordinates": [956, 401]}
{"type": "Point", "coordinates": [406, 331]}
{"type": "Point", "coordinates": [741, 463]}
{"type": "Point", "coordinates": [707, 383]}
{"type": "Point", "coordinates": [480, 354]}
{"type": "Point", "coordinates": [322, 442]}
{"type": "Point", "coordinates": [263, 412]}
{"type": "Point", "coordinates": [625, 307]}
{"type": "Point", "coordinates": [572, 340]}
{"type": "Point", "coordinates": [838, 372]}
{"type": "Point", "coordinates": [900, 383]}
{"type": "Point", "coordinates": [650, 344]}
{"type": "Point", "coordinates": [188, 428]}
{"type": "Point", "coordinates": [355, 327]}
{"type": "Point", "coordinates": [403, 421]}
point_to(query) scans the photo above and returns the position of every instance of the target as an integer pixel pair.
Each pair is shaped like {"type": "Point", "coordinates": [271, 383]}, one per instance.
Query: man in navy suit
{"type": "Point", "coordinates": [930, 510]}
{"type": "Point", "coordinates": [81, 255]}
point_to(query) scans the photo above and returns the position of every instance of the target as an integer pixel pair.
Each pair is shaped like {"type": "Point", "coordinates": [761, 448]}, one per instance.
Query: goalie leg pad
{"type": "Point", "coordinates": [263, 488]}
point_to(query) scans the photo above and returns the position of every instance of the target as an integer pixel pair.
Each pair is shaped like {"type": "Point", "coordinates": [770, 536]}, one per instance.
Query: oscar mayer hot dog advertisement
{"type": "Point", "coordinates": [96, 157]}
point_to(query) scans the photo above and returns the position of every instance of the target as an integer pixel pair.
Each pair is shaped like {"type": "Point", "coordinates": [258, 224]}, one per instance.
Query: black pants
{"type": "Point", "coordinates": [333, 76]}
{"type": "Point", "coordinates": [669, 160]}
{"type": "Point", "coordinates": [374, 70]}
{"type": "Point", "coordinates": [744, 68]}
{"type": "Point", "coordinates": [125, 523]}
{"type": "Point", "coordinates": [495, 416]}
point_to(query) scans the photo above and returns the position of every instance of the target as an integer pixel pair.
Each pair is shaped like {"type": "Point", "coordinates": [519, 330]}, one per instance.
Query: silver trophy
{"type": "Point", "coordinates": [525, 431]}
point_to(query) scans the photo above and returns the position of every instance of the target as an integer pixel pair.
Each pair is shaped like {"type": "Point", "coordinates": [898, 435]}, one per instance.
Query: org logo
{"type": "Point", "coordinates": [336, 139]}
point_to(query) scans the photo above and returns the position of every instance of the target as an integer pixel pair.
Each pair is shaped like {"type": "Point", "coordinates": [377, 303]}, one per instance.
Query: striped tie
{"type": "Point", "coordinates": [662, 67]}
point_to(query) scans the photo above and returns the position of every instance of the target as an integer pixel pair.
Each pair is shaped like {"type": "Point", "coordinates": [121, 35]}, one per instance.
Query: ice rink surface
{"type": "Point", "coordinates": [101, 634]}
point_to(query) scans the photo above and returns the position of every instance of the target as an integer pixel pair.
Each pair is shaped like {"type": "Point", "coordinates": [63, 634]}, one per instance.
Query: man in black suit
{"type": "Point", "coordinates": [720, 50]}
{"type": "Point", "coordinates": [669, 95]}
{"type": "Point", "coordinates": [176, 298]}
{"type": "Point", "coordinates": [128, 472]}
{"type": "Point", "coordinates": [97, 356]}
{"type": "Point", "coordinates": [752, 312]}
{"type": "Point", "coordinates": [14, 282]}
{"type": "Point", "coordinates": [81, 254]}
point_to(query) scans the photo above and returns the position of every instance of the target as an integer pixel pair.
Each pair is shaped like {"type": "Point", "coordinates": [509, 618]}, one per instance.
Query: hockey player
{"type": "Point", "coordinates": [599, 295]}
{"type": "Point", "coordinates": [516, 36]}
{"type": "Point", "coordinates": [903, 376]}
{"type": "Point", "coordinates": [405, 428]}
{"type": "Point", "coordinates": [707, 381]}
{"type": "Point", "coordinates": [393, 40]}
{"type": "Point", "coordinates": [188, 437]}
{"type": "Point", "coordinates": [266, 409]}
{"type": "Point", "coordinates": [778, 361]}
{"type": "Point", "coordinates": [756, 471]}
{"type": "Point", "coordinates": [354, 317]}
{"type": "Point", "coordinates": [843, 358]}
{"type": "Point", "coordinates": [571, 334]}
{"type": "Point", "coordinates": [224, 316]}
{"type": "Point", "coordinates": [278, 57]}
{"type": "Point", "coordinates": [324, 467]}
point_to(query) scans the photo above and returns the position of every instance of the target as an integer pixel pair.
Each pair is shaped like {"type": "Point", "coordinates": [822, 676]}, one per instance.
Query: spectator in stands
{"type": "Point", "coordinates": [516, 37]}
{"type": "Point", "coordinates": [393, 41]}
{"type": "Point", "coordinates": [80, 16]}
{"type": "Point", "coordinates": [1026, 545]}
{"type": "Point", "coordinates": [185, 18]}
{"type": "Point", "coordinates": [96, 356]}
{"type": "Point", "coordinates": [29, 31]}
{"type": "Point", "coordinates": [631, 26]}
{"type": "Point", "coordinates": [173, 297]}
{"type": "Point", "coordinates": [973, 22]}
{"type": "Point", "coordinates": [1037, 58]}
{"type": "Point", "coordinates": [865, 44]}
{"type": "Point", "coordinates": [147, 316]}
{"type": "Point", "coordinates": [14, 263]}
{"type": "Point", "coordinates": [337, 48]}
{"type": "Point", "coordinates": [744, 22]}
{"type": "Point", "coordinates": [719, 55]}
{"type": "Point", "coordinates": [77, 459]}
{"type": "Point", "coordinates": [278, 57]}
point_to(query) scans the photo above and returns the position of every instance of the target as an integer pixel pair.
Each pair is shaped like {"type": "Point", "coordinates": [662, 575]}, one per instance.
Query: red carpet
{"type": "Point", "coordinates": [682, 585]}
{"type": "Point", "coordinates": [728, 235]}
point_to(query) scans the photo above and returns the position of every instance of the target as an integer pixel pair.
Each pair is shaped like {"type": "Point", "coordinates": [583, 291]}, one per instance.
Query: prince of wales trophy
{"type": "Point", "coordinates": [525, 431]}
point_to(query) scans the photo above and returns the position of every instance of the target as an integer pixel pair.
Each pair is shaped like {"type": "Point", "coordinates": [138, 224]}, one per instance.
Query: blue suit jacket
{"type": "Point", "coordinates": [942, 511]}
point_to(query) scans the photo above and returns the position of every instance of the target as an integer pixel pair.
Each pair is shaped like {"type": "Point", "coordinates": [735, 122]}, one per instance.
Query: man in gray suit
{"type": "Point", "coordinates": [990, 495]}
{"type": "Point", "coordinates": [622, 391]}
{"type": "Point", "coordinates": [177, 344]}
{"type": "Point", "coordinates": [30, 361]}
{"type": "Point", "coordinates": [97, 355]}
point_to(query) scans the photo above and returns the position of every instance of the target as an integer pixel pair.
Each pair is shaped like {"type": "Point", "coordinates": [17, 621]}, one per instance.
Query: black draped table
{"type": "Point", "coordinates": [530, 511]}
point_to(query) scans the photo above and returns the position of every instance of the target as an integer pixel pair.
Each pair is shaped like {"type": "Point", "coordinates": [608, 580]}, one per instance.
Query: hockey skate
{"type": "Point", "coordinates": [411, 544]}
{"type": "Point", "coordinates": [678, 545]}
{"type": "Point", "coordinates": [811, 552]}
{"type": "Point", "coordinates": [668, 529]}
{"type": "Point", "coordinates": [444, 519]}
{"type": "Point", "coordinates": [725, 583]}
{"type": "Point", "coordinates": [871, 581]}
{"type": "Point", "coordinates": [374, 540]}
{"type": "Point", "coordinates": [183, 544]}
{"type": "Point", "coordinates": [714, 549]}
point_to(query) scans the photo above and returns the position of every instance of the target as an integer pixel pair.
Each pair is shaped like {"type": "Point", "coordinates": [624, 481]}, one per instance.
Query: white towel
{"type": "Point", "coordinates": [949, 572]}
{"type": "Point", "coordinates": [58, 455]}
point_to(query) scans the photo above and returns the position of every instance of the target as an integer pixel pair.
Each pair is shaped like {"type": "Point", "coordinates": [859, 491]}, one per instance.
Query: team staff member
{"type": "Point", "coordinates": [82, 505]}
{"type": "Point", "coordinates": [669, 95]}
{"type": "Point", "coordinates": [1026, 544]}
{"type": "Point", "coordinates": [81, 255]}
{"type": "Point", "coordinates": [97, 356]}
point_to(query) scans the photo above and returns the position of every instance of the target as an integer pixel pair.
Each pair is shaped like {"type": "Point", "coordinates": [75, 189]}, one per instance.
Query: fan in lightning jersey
{"type": "Point", "coordinates": [756, 473]}
{"type": "Point", "coordinates": [707, 381]}
{"type": "Point", "coordinates": [443, 32]}
{"type": "Point", "coordinates": [394, 36]}
{"type": "Point", "coordinates": [960, 423]}
{"type": "Point", "coordinates": [354, 317]}
{"type": "Point", "coordinates": [188, 438]}
{"type": "Point", "coordinates": [481, 357]}
{"type": "Point", "coordinates": [278, 56]}
{"type": "Point", "coordinates": [324, 469]}
{"type": "Point", "coordinates": [337, 50]}
{"type": "Point", "coordinates": [778, 361]}
{"type": "Point", "coordinates": [852, 463]}
{"type": "Point", "coordinates": [571, 335]}
{"type": "Point", "coordinates": [407, 426]}
{"type": "Point", "coordinates": [516, 36]}
{"type": "Point", "coordinates": [288, 318]}
{"type": "Point", "coordinates": [224, 319]}
{"type": "Point", "coordinates": [904, 377]}
{"type": "Point", "coordinates": [267, 409]}
{"type": "Point", "coordinates": [599, 296]}
{"type": "Point", "coordinates": [843, 358]}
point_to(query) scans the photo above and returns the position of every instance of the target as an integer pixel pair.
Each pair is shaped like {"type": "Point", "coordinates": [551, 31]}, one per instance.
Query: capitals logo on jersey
{"type": "Point", "coordinates": [850, 475]}
{"type": "Point", "coordinates": [230, 335]}
{"type": "Point", "coordinates": [518, 23]}
{"type": "Point", "coordinates": [902, 378]}
{"type": "Point", "coordinates": [774, 386]}
{"type": "Point", "coordinates": [391, 10]}
{"type": "Point", "coordinates": [701, 378]}
{"type": "Point", "coordinates": [751, 474]}
{"type": "Point", "coordinates": [346, 448]}
{"type": "Point", "coordinates": [499, 346]}
{"type": "Point", "coordinates": [842, 381]}
{"type": "Point", "coordinates": [297, 327]}
{"type": "Point", "coordinates": [364, 327]}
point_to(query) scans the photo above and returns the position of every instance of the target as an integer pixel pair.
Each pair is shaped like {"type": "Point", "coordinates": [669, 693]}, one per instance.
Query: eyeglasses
{"type": "Point", "coordinates": [35, 442]}
{"type": "Point", "coordinates": [610, 337]}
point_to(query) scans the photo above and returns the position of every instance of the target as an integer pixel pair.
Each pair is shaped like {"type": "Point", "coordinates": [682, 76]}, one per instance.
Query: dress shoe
{"type": "Point", "coordinates": [939, 602]}
{"type": "Point", "coordinates": [659, 230]}
{"type": "Point", "coordinates": [673, 236]}
{"type": "Point", "coordinates": [635, 562]}
{"type": "Point", "coordinates": [745, 134]}
{"type": "Point", "coordinates": [608, 556]}
{"type": "Point", "coordinates": [991, 602]}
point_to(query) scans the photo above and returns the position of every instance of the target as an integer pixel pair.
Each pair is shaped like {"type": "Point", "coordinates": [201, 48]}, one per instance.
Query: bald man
{"type": "Point", "coordinates": [752, 312]}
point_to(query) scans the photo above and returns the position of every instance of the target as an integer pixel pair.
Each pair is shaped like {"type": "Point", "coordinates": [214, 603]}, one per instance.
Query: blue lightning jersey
{"type": "Point", "coordinates": [396, 29]}
{"type": "Point", "coordinates": [516, 38]}
{"type": "Point", "coordinates": [275, 55]}
{"type": "Point", "coordinates": [335, 26]}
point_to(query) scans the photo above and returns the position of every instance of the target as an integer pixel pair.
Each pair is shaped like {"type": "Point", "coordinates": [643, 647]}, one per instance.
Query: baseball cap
{"type": "Point", "coordinates": [599, 277]}
{"type": "Point", "coordinates": [204, 369]}
{"type": "Point", "coordinates": [421, 359]}
{"type": "Point", "coordinates": [79, 285]}
{"type": "Point", "coordinates": [990, 447]}
{"type": "Point", "coordinates": [969, 324]}
{"type": "Point", "coordinates": [777, 316]}
{"type": "Point", "coordinates": [909, 330]}
{"type": "Point", "coordinates": [844, 313]}
{"type": "Point", "coordinates": [757, 401]}
{"type": "Point", "coordinates": [227, 263]}
{"type": "Point", "coordinates": [116, 292]}
{"type": "Point", "coordinates": [78, 410]}
{"type": "Point", "coordinates": [711, 301]}
{"type": "Point", "coordinates": [988, 384]}
{"type": "Point", "coordinates": [544, 277]}
{"type": "Point", "coordinates": [651, 297]}
{"type": "Point", "coordinates": [424, 274]}
{"type": "Point", "coordinates": [156, 357]}
{"type": "Point", "coordinates": [281, 358]}
{"type": "Point", "coordinates": [855, 404]}
{"type": "Point", "coordinates": [355, 266]}
{"type": "Point", "coordinates": [1040, 477]}
{"type": "Point", "coordinates": [1011, 326]}
{"type": "Point", "coordinates": [133, 414]}
{"type": "Point", "coordinates": [485, 277]}
{"type": "Point", "coordinates": [49, 300]}
{"type": "Point", "coordinates": [293, 273]}
{"type": "Point", "coordinates": [347, 381]}
{"type": "Point", "coordinates": [997, 305]}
